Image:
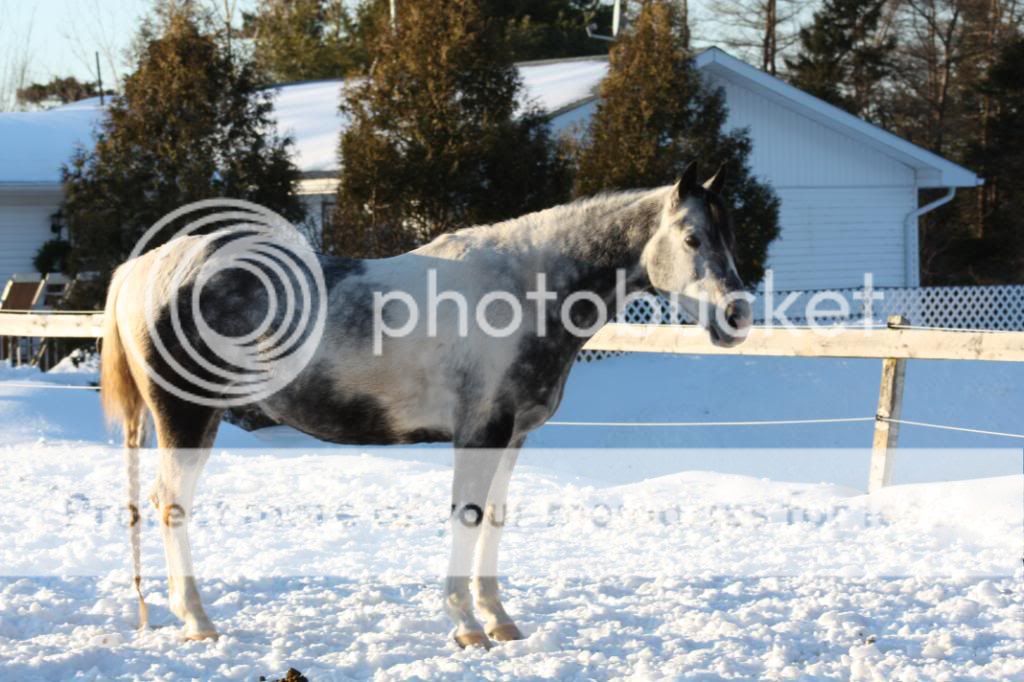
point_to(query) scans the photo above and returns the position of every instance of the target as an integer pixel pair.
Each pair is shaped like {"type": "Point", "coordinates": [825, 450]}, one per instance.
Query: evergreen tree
{"type": "Point", "coordinates": [995, 254]}
{"type": "Point", "coordinates": [296, 40]}
{"type": "Point", "coordinates": [192, 124]}
{"type": "Point", "coordinates": [57, 91]}
{"type": "Point", "coordinates": [549, 29]}
{"type": "Point", "coordinates": [655, 115]}
{"type": "Point", "coordinates": [438, 136]}
{"type": "Point", "coordinates": [842, 59]}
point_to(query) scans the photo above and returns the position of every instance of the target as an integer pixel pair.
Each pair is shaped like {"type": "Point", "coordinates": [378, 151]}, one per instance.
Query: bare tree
{"type": "Point", "coordinates": [15, 55]}
{"type": "Point", "coordinates": [91, 27]}
{"type": "Point", "coordinates": [224, 12]}
{"type": "Point", "coordinates": [760, 31]}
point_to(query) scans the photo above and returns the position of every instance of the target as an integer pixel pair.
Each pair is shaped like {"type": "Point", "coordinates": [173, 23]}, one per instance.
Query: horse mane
{"type": "Point", "coordinates": [569, 212]}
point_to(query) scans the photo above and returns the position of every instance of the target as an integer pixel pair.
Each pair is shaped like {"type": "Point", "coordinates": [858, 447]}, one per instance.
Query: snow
{"type": "Point", "coordinates": [721, 561]}
{"type": "Point", "coordinates": [310, 114]}
{"type": "Point", "coordinates": [558, 84]}
{"type": "Point", "coordinates": [36, 144]}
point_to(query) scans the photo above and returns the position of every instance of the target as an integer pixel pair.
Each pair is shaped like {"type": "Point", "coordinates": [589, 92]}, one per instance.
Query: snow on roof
{"type": "Point", "coordinates": [34, 145]}
{"type": "Point", "coordinates": [309, 112]}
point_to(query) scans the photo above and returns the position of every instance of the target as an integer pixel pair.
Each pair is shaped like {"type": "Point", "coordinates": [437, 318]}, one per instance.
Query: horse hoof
{"type": "Point", "coordinates": [506, 632]}
{"type": "Point", "coordinates": [473, 639]}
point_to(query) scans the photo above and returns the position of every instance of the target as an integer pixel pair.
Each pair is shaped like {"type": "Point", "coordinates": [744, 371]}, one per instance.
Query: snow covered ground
{"type": "Point", "coordinates": [694, 553]}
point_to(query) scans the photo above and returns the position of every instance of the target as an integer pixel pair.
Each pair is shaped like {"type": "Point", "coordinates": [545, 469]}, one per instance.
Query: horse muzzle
{"type": "Point", "coordinates": [737, 318]}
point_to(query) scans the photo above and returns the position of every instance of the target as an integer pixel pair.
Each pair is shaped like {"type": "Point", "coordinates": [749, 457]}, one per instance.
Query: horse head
{"type": "Point", "coordinates": [690, 256]}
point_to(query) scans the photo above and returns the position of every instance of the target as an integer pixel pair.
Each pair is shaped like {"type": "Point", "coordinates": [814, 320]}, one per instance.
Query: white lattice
{"type": "Point", "coordinates": [967, 307]}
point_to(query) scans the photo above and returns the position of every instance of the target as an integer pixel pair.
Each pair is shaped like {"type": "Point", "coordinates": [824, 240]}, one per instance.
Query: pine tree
{"type": "Point", "coordinates": [58, 91]}
{"type": "Point", "coordinates": [192, 124]}
{"type": "Point", "coordinates": [842, 58]}
{"type": "Point", "coordinates": [438, 138]}
{"type": "Point", "coordinates": [296, 40]}
{"type": "Point", "coordinates": [549, 29]}
{"type": "Point", "coordinates": [995, 255]}
{"type": "Point", "coordinates": [655, 115]}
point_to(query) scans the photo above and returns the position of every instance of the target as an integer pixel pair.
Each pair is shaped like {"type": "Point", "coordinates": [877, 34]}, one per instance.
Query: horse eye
{"type": "Point", "coordinates": [692, 242]}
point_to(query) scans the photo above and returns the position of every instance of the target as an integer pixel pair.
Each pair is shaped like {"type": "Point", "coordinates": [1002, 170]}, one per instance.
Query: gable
{"type": "Point", "coordinates": [792, 150]}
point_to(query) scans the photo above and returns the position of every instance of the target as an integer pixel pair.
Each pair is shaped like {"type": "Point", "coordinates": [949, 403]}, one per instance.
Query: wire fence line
{"type": "Point", "coordinates": [749, 422]}
{"type": "Point", "coordinates": [947, 427]}
{"type": "Point", "coordinates": [788, 422]}
{"type": "Point", "coordinates": [664, 424]}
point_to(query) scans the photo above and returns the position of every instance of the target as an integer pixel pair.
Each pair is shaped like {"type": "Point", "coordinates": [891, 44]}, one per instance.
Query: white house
{"type": "Point", "coordinates": [849, 190]}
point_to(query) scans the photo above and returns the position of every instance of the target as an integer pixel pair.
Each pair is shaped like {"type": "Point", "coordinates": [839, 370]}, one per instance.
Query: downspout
{"type": "Point", "coordinates": [910, 237]}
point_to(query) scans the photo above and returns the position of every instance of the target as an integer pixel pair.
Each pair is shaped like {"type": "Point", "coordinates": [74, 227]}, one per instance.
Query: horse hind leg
{"type": "Point", "coordinates": [185, 433]}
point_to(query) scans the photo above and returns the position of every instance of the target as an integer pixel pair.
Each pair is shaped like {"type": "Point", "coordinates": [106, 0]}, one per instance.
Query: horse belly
{"type": "Point", "coordinates": [364, 409]}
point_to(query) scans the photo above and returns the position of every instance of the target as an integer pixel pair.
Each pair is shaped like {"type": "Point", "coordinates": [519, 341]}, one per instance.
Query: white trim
{"type": "Point", "coordinates": [317, 186]}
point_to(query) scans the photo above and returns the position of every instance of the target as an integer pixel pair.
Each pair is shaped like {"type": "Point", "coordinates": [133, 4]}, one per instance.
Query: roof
{"type": "Point", "coordinates": [309, 112]}
{"type": "Point", "coordinates": [34, 145]}
{"type": "Point", "coordinates": [932, 169]}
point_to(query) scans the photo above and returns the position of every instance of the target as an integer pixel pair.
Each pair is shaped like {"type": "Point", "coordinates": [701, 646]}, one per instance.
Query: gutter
{"type": "Point", "coordinates": [910, 237]}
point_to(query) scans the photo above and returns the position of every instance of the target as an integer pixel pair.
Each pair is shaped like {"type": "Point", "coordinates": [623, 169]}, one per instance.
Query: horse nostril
{"type": "Point", "coordinates": [736, 315]}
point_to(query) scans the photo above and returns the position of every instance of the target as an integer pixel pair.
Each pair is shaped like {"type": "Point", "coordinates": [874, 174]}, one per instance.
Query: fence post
{"type": "Point", "coordinates": [890, 406]}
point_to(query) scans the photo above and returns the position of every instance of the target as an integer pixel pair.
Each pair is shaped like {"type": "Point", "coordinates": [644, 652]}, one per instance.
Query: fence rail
{"type": "Point", "coordinates": [844, 342]}
{"type": "Point", "coordinates": [894, 345]}
{"type": "Point", "coordinates": [59, 325]}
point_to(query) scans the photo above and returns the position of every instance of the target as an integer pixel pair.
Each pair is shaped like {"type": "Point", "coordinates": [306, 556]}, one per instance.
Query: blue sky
{"type": "Point", "coordinates": [61, 36]}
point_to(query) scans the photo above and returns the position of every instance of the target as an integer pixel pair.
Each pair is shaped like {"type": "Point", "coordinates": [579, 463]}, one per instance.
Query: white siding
{"type": "Point", "coordinates": [831, 237]}
{"type": "Point", "coordinates": [791, 150]}
{"type": "Point", "coordinates": [843, 204]}
{"type": "Point", "coordinates": [25, 219]}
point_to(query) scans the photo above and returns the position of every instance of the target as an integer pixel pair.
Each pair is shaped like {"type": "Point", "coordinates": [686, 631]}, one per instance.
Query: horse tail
{"type": "Point", "coordinates": [120, 395]}
{"type": "Point", "coordinates": [123, 403]}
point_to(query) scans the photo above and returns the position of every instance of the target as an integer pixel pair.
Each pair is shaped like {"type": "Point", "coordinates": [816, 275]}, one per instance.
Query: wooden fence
{"type": "Point", "coordinates": [894, 345]}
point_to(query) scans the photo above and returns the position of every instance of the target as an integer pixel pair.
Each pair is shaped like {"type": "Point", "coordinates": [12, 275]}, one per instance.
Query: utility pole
{"type": "Point", "coordinates": [99, 77]}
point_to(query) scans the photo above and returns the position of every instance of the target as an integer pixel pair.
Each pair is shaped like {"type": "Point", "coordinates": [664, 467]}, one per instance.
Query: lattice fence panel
{"type": "Point", "coordinates": [967, 307]}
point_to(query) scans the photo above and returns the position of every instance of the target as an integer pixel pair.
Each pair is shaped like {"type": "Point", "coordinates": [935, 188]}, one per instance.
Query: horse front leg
{"type": "Point", "coordinates": [475, 472]}
{"type": "Point", "coordinates": [498, 625]}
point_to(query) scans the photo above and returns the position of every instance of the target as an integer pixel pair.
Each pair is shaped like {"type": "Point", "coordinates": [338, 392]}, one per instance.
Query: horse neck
{"type": "Point", "coordinates": [582, 246]}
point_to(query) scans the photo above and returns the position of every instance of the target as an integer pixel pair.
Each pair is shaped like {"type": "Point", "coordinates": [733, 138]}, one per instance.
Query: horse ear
{"type": "Point", "coordinates": [687, 183]}
{"type": "Point", "coordinates": [715, 182]}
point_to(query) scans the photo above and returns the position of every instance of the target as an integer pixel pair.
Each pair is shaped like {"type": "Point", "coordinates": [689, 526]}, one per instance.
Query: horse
{"type": "Point", "coordinates": [483, 387]}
